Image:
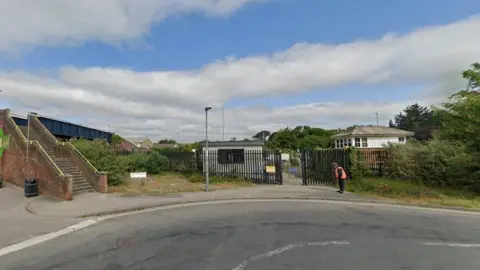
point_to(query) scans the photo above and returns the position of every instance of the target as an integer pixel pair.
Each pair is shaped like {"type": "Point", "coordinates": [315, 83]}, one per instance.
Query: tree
{"type": "Point", "coordinates": [473, 76]}
{"type": "Point", "coordinates": [233, 139]}
{"type": "Point", "coordinates": [418, 119]}
{"type": "Point", "coordinates": [461, 119]}
{"type": "Point", "coordinates": [116, 139]}
{"type": "Point", "coordinates": [300, 137]}
{"type": "Point", "coordinates": [261, 136]}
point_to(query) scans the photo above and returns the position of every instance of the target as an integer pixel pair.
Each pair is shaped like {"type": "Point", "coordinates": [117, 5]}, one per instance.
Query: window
{"type": "Point", "coordinates": [357, 142]}
{"type": "Point", "coordinates": [349, 142]}
{"type": "Point", "coordinates": [364, 142]}
{"type": "Point", "coordinates": [337, 143]}
{"type": "Point", "coordinates": [401, 139]}
{"type": "Point", "coordinates": [231, 156]}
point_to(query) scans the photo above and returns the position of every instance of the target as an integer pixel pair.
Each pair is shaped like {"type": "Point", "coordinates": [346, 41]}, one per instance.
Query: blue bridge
{"type": "Point", "coordinates": [66, 130]}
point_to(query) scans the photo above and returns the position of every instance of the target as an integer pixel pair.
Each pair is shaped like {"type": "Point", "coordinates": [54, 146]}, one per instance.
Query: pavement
{"type": "Point", "coordinates": [16, 224]}
{"type": "Point", "coordinates": [275, 234]}
{"type": "Point", "coordinates": [95, 204]}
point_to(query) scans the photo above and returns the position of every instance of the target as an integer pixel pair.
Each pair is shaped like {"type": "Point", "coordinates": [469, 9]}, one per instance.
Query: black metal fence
{"type": "Point", "coordinates": [258, 166]}
{"type": "Point", "coordinates": [316, 165]}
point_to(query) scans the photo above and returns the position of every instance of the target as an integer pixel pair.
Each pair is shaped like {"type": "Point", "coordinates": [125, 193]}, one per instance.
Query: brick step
{"type": "Point", "coordinates": [83, 191]}
{"type": "Point", "coordinates": [81, 185]}
{"type": "Point", "coordinates": [78, 175]}
{"type": "Point", "coordinates": [69, 168]}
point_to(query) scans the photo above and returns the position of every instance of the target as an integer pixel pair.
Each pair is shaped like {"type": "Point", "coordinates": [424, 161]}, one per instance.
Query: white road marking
{"type": "Point", "coordinates": [277, 251]}
{"type": "Point", "coordinates": [450, 244]}
{"type": "Point", "coordinates": [50, 236]}
{"type": "Point", "coordinates": [45, 237]}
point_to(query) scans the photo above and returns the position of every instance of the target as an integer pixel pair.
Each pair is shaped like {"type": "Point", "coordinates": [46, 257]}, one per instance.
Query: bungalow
{"type": "Point", "coordinates": [370, 137]}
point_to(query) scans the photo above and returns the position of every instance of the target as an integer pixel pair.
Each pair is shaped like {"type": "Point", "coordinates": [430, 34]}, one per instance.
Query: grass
{"type": "Point", "coordinates": [406, 191]}
{"type": "Point", "coordinates": [169, 183]}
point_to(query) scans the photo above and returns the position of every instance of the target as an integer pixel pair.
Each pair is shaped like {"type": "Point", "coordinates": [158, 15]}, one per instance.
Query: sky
{"type": "Point", "coordinates": [150, 67]}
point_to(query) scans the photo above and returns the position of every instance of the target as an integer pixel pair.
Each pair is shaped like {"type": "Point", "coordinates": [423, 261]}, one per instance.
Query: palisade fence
{"type": "Point", "coordinates": [258, 166]}
{"type": "Point", "coordinates": [316, 165]}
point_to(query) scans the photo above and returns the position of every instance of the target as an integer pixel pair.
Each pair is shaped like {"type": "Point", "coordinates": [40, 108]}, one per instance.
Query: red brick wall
{"type": "Point", "coordinates": [14, 170]}
{"type": "Point", "coordinates": [126, 146]}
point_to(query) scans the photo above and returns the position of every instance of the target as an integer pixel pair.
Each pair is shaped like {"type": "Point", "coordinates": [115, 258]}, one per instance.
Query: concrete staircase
{"type": "Point", "coordinates": [80, 183]}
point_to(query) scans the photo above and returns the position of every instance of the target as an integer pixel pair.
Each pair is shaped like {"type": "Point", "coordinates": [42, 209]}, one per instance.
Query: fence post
{"type": "Point", "coordinates": [303, 165]}
{"type": "Point", "coordinates": [279, 168]}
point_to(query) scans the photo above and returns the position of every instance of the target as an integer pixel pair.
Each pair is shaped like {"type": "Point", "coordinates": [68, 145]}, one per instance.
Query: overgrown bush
{"type": "Point", "coordinates": [359, 167]}
{"type": "Point", "coordinates": [103, 156]}
{"type": "Point", "coordinates": [437, 163]}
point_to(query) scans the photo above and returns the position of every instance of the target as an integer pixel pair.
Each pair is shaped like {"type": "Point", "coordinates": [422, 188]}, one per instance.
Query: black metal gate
{"type": "Point", "coordinates": [317, 165]}
{"type": "Point", "coordinates": [272, 169]}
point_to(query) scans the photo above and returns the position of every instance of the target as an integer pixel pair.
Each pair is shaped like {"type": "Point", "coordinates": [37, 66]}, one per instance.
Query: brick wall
{"type": "Point", "coordinates": [126, 146]}
{"type": "Point", "coordinates": [14, 169]}
{"type": "Point", "coordinates": [68, 151]}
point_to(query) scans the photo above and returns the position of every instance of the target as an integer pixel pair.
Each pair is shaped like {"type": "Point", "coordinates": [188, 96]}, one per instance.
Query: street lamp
{"type": "Point", "coordinates": [28, 142]}
{"type": "Point", "coordinates": [206, 147]}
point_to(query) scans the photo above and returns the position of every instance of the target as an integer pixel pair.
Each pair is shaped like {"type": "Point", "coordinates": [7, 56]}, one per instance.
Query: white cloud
{"type": "Point", "coordinates": [53, 22]}
{"type": "Point", "coordinates": [160, 103]}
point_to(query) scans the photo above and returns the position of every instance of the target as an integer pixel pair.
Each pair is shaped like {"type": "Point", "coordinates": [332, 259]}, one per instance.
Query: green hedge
{"type": "Point", "coordinates": [436, 163]}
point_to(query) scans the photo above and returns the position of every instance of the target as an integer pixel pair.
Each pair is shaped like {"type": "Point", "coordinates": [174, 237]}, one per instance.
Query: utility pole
{"type": "Point", "coordinates": [223, 125]}
{"type": "Point", "coordinates": [377, 117]}
{"type": "Point", "coordinates": [178, 136]}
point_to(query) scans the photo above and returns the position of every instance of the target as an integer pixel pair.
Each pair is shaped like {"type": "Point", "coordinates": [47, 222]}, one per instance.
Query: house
{"type": "Point", "coordinates": [126, 146]}
{"type": "Point", "coordinates": [141, 142]}
{"type": "Point", "coordinates": [235, 157]}
{"type": "Point", "coordinates": [370, 137]}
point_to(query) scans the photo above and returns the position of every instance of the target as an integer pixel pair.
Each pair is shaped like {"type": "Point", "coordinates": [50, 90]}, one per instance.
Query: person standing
{"type": "Point", "coordinates": [340, 176]}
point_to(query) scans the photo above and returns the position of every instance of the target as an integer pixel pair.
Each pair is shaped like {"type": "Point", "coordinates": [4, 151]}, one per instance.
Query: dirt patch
{"type": "Point", "coordinates": [168, 184]}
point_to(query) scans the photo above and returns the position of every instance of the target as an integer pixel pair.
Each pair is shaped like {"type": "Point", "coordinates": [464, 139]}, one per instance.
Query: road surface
{"type": "Point", "coordinates": [265, 235]}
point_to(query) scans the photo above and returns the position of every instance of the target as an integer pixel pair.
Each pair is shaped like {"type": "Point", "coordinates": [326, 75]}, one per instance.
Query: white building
{"type": "Point", "coordinates": [370, 137]}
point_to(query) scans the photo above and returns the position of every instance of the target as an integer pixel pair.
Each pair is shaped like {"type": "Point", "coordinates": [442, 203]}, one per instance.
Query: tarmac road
{"type": "Point", "coordinates": [266, 235]}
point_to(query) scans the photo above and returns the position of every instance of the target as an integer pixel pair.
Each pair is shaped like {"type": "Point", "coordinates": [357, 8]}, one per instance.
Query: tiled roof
{"type": "Point", "coordinates": [136, 140]}
{"type": "Point", "coordinates": [373, 131]}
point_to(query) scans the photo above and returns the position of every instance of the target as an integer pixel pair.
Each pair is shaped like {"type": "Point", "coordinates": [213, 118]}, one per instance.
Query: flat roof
{"type": "Point", "coordinates": [233, 143]}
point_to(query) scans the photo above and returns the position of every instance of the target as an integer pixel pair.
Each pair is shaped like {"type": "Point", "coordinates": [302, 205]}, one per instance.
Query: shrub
{"type": "Point", "coordinates": [103, 157]}
{"type": "Point", "coordinates": [151, 163]}
{"type": "Point", "coordinates": [436, 163]}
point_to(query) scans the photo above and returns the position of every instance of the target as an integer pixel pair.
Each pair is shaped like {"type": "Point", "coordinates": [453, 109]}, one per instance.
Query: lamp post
{"type": "Point", "coordinates": [206, 147]}
{"type": "Point", "coordinates": [377, 117]}
{"type": "Point", "coordinates": [28, 142]}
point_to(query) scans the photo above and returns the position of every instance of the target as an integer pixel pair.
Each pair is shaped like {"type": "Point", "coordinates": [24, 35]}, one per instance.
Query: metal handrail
{"type": "Point", "coordinates": [38, 145]}
{"type": "Point", "coordinates": [72, 147]}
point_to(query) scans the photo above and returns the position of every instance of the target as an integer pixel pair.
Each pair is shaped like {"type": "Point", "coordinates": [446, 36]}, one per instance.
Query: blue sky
{"type": "Point", "coordinates": [188, 41]}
